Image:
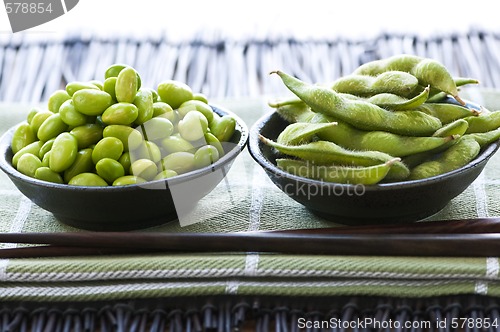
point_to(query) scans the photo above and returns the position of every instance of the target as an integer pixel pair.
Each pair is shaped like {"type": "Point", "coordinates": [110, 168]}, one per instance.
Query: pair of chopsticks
{"type": "Point", "coordinates": [466, 237]}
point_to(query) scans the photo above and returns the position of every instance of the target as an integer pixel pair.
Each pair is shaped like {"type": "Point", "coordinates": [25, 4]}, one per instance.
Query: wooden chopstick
{"type": "Point", "coordinates": [329, 243]}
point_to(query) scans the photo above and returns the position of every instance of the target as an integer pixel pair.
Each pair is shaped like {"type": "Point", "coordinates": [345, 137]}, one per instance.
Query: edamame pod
{"type": "Point", "coordinates": [446, 112]}
{"type": "Point", "coordinates": [361, 114]}
{"type": "Point", "coordinates": [455, 128]}
{"type": "Point", "coordinates": [323, 153]}
{"type": "Point", "coordinates": [458, 155]}
{"type": "Point", "coordinates": [301, 132]}
{"type": "Point", "coordinates": [338, 174]}
{"type": "Point", "coordinates": [427, 71]}
{"type": "Point", "coordinates": [485, 138]}
{"type": "Point", "coordinates": [483, 122]}
{"type": "Point", "coordinates": [297, 112]}
{"type": "Point", "coordinates": [392, 144]}
{"type": "Point", "coordinates": [394, 82]}
{"type": "Point", "coordinates": [396, 103]}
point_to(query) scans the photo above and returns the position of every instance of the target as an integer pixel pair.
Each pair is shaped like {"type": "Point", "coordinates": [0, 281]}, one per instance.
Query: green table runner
{"type": "Point", "coordinates": [246, 201]}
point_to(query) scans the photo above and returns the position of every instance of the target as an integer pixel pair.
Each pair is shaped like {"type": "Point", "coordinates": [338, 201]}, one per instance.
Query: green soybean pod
{"type": "Point", "coordinates": [130, 137]}
{"type": "Point", "coordinates": [51, 127]}
{"type": "Point", "coordinates": [38, 119]}
{"type": "Point", "coordinates": [56, 99]}
{"type": "Point", "coordinates": [457, 127]}
{"type": "Point", "coordinates": [458, 155]}
{"type": "Point", "coordinates": [396, 103]}
{"type": "Point", "coordinates": [91, 102]}
{"type": "Point", "coordinates": [82, 164]}
{"type": "Point", "coordinates": [485, 138]}
{"type": "Point", "coordinates": [446, 112]}
{"type": "Point", "coordinates": [70, 116]}
{"type": "Point", "coordinates": [115, 69]}
{"type": "Point", "coordinates": [338, 174]}
{"type": "Point", "coordinates": [108, 147]}
{"type": "Point", "coordinates": [63, 152]}
{"type": "Point", "coordinates": [73, 87]}
{"type": "Point", "coordinates": [297, 112]}
{"type": "Point", "coordinates": [180, 162]}
{"type": "Point", "coordinates": [144, 102]}
{"type": "Point", "coordinates": [109, 86]}
{"type": "Point", "coordinates": [33, 148]}
{"type": "Point", "coordinates": [120, 113]}
{"type": "Point", "coordinates": [223, 128]}
{"type": "Point", "coordinates": [109, 169]}
{"type": "Point", "coordinates": [205, 156]}
{"type": "Point", "coordinates": [128, 180]}
{"type": "Point", "coordinates": [483, 122]}
{"type": "Point", "coordinates": [28, 163]}
{"type": "Point", "coordinates": [392, 144]}
{"type": "Point", "coordinates": [88, 180]}
{"type": "Point", "coordinates": [323, 153]}
{"type": "Point", "coordinates": [46, 174]}
{"type": "Point", "coordinates": [87, 134]}
{"type": "Point", "coordinates": [301, 132]}
{"type": "Point", "coordinates": [23, 135]}
{"type": "Point", "coordinates": [126, 85]}
{"type": "Point", "coordinates": [361, 114]}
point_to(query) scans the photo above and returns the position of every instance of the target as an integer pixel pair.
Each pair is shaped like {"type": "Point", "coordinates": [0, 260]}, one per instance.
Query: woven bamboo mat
{"type": "Point", "coordinates": [262, 314]}
{"type": "Point", "coordinates": [32, 66]}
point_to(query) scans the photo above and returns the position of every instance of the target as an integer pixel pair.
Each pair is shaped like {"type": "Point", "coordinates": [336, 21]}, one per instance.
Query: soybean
{"type": "Point", "coordinates": [339, 174]}
{"type": "Point", "coordinates": [63, 152]}
{"type": "Point", "coordinates": [458, 155]}
{"type": "Point", "coordinates": [324, 152]}
{"type": "Point", "coordinates": [361, 114]}
{"type": "Point", "coordinates": [23, 135]}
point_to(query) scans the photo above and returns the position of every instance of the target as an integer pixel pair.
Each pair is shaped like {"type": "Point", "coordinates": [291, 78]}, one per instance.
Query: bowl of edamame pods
{"type": "Point", "coordinates": [113, 155]}
{"type": "Point", "coordinates": [391, 143]}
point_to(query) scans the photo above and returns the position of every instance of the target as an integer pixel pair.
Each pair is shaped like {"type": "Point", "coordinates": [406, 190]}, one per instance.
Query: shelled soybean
{"type": "Point", "coordinates": [116, 132]}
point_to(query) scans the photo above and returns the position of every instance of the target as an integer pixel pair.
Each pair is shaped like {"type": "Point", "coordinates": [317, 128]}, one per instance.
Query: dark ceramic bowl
{"type": "Point", "coordinates": [125, 207]}
{"type": "Point", "coordinates": [399, 202]}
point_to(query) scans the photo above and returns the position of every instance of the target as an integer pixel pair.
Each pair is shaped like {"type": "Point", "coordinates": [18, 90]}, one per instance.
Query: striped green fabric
{"type": "Point", "coordinates": [247, 201]}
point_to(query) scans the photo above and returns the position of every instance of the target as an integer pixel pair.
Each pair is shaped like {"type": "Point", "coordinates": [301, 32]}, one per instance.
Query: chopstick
{"type": "Point", "coordinates": [474, 237]}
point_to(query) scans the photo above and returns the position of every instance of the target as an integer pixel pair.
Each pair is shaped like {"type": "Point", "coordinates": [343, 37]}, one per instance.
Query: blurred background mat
{"type": "Point", "coordinates": [226, 49]}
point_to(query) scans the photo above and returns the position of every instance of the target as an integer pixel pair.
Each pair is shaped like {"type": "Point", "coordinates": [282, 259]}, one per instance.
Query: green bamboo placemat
{"type": "Point", "coordinates": [246, 201]}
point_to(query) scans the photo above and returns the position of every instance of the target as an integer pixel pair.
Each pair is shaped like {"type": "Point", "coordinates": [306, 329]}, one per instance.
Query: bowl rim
{"type": "Point", "coordinates": [256, 153]}
{"type": "Point", "coordinates": [6, 165]}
